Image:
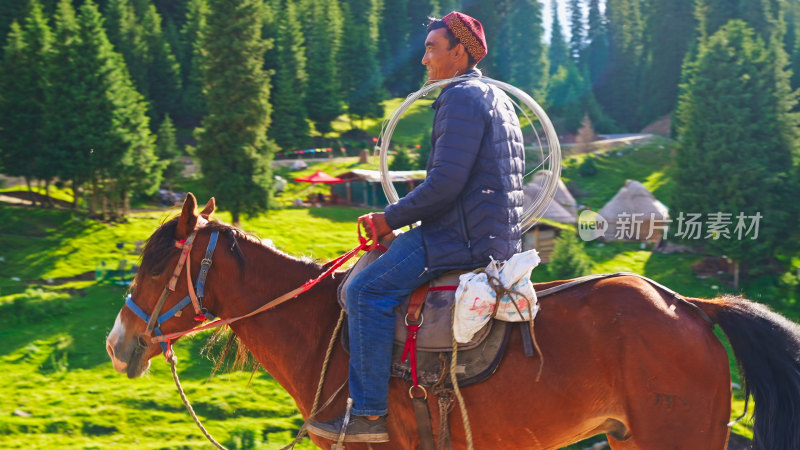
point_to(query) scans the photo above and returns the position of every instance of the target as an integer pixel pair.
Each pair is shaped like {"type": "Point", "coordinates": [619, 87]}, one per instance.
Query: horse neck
{"type": "Point", "coordinates": [289, 341]}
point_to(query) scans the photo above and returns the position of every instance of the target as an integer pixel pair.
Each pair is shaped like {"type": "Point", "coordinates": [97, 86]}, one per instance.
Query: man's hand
{"type": "Point", "coordinates": [381, 227]}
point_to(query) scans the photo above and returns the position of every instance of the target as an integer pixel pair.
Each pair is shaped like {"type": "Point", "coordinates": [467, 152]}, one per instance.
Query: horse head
{"type": "Point", "coordinates": [159, 289]}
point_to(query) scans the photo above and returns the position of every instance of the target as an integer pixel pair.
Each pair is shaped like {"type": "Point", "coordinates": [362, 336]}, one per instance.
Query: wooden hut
{"type": "Point", "coordinates": [363, 187]}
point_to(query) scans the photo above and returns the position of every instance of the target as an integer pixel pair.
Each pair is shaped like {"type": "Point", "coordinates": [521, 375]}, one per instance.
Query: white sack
{"type": "Point", "coordinates": [476, 299]}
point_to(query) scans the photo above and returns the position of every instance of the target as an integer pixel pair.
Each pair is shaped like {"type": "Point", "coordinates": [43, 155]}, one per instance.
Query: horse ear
{"type": "Point", "coordinates": [210, 206]}
{"type": "Point", "coordinates": [188, 219]}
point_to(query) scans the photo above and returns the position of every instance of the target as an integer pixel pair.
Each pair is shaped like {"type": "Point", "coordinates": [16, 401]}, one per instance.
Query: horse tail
{"type": "Point", "coordinates": [767, 348]}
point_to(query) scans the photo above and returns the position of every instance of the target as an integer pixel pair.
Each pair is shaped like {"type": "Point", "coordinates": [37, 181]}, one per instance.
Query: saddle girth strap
{"type": "Point", "coordinates": [414, 320]}
{"type": "Point", "coordinates": [424, 426]}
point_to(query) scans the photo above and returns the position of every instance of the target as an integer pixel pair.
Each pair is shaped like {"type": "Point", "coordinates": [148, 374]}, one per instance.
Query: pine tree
{"type": "Point", "coordinates": [23, 83]}
{"type": "Point", "coordinates": [127, 37]}
{"type": "Point", "coordinates": [762, 15]}
{"type": "Point", "coordinates": [233, 147]}
{"type": "Point", "coordinates": [168, 152]}
{"type": "Point", "coordinates": [564, 97]}
{"type": "Point", "coordinates": [791, 40]}
{"type": "Point", "coordinates": [522, 60]}
{"type": "Point", "coordinates": [361, 76]}
{"type": "Point", "coordinates": [174, 11]}
{"type": "Point", "coordinates": [619, 92]}
{"type": "Point", "coordinates": [134, 27]}
{"type": "Point", "coordinates": [190, 59]}
{"type": "Point", "coordinates": [558, 54]}
{"type": "Point", "coordinates": [738, 135]}
{"type": "Point", "coordinates": [11, 11]}
{"type": "Point", "coordinates": [120, 154]}
{"type": "Point", "coordinates": [269, 33]}
{"type": "Point", "coordinates": [595, 55]}
{"type": "Point", "coordinates": [670, 27]}
{"type": "Point", "coordinates": [65, 132]}
{"type": "Point", "coordinates": [569, 97]}
{"type": "Point", "coordinates": [401, 45]}
{"type": "Point", "coordinates": [568, 259]}
{"type": "Point", "coordinates": [493, 16]}
{"type": "Point", "coordinates": [96, 121]}
{"type": "Point", "coordinates": [163, 71]}
{"type": "Point", "coordinates": [323, 99]}
{"type": "Point", "coordinates": [577, 30]}
{"type": "Point", "coordinates": [394, 47]}
{"type": "Point", "coordinates": [289, 118]}
{"type": "Point", "coordinates": [418, 13]}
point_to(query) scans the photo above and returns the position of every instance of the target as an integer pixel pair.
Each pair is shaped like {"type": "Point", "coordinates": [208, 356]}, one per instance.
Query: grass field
{"type": "Point", "coordinates": [412, 129]}
{"type": "Point", "coordinates": [61, 392]}
{"type": "Point", "coordinates": [649, 164]}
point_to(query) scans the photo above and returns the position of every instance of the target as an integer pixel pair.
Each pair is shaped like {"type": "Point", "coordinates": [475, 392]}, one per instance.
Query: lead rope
{"type": "Point", "coordinates": [173, 361]}
{"type": "Point", "coordinates": [302, 432]}
{"type": "Point", "coordinates": [461, 405]}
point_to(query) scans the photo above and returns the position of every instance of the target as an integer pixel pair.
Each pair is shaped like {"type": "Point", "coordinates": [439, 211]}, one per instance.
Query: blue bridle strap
{"type": "Point", "coordinates": [162, 318]}
{"type": "Point", "coordinates": [199, 287]}
{"type": "Point", "coordinates": [204, 266]}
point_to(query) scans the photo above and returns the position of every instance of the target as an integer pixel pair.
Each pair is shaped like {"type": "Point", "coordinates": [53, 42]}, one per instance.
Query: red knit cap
{"type": "Point", "coordinates": [469, 32]}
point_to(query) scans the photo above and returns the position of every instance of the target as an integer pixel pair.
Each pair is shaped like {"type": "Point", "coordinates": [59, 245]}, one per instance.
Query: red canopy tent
{"type": "Point", "coordinates": [320, 177]}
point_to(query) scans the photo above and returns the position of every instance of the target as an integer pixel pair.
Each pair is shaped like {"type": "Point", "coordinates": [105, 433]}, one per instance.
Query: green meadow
{"type": "Point", "coordinates": [60, 390]}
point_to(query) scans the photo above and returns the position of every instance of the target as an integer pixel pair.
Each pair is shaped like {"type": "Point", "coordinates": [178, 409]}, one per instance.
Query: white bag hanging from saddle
{"type": "Point", "coordinates": [476, 297]}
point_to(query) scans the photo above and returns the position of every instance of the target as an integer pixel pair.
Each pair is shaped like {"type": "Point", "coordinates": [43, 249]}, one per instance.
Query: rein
{"type": "Point", "coordinates": [364, 244]}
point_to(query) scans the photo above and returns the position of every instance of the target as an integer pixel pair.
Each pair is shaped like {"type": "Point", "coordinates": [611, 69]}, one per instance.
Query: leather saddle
{"type": "Point", "coordinates": [476, 360]}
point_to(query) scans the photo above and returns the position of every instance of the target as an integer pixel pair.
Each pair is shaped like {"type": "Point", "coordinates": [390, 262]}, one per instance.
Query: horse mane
{"type": "Point", "coordinates": [160, 246]}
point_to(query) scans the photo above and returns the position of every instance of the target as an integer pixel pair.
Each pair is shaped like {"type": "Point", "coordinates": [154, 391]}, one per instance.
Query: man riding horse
{"type": "Point", "coordinates": [469, 207]}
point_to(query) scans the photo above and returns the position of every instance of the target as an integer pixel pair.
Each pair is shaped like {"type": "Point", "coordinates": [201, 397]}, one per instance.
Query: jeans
{"type": "Point", "coordinates": [372, 297]}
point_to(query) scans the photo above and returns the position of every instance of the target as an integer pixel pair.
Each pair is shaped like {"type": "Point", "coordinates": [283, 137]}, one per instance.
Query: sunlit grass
{"type": "Point", "coordinates": [413, 127]}
{"type": "Point", "coordinates": [648, 164]}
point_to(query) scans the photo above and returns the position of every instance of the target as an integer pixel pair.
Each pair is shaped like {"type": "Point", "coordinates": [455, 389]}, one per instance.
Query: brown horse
{"type": "Point", "coordinates": [621, 357]}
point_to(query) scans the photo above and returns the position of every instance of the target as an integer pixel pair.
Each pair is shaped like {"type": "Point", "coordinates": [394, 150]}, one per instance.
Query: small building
{"type": "Point", "coordinates": [562, 213]}
{"type": "Point", "coordinates": [634, 214]}
{"type": "Point", "coordinates": [363, 187]}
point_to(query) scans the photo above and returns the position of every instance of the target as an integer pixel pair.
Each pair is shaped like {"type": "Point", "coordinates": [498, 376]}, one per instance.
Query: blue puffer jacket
{"type": "Point", "coordinates": [470, 203]}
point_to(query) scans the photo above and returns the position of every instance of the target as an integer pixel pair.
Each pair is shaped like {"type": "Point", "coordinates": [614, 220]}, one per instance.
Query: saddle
{"type": "Point", "coordinates": [477, 359]}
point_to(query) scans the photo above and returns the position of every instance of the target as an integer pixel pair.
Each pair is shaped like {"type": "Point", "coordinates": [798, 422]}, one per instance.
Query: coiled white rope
{"type": "Point", "coordinates": [552, 171]}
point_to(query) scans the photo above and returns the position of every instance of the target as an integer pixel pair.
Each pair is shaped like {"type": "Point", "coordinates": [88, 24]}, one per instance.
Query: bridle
{"type": "Point", "coordinates": [155, 320]}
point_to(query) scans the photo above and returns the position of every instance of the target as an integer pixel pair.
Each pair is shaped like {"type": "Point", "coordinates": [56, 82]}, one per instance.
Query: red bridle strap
{"type": "Point", "coordinates": [364, 244]}
{"type": "Point", "coordinates": [186, 249]}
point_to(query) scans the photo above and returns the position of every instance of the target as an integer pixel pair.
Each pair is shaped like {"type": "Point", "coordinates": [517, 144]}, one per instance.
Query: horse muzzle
{"type": "Point", "coordinates": [138, 363]}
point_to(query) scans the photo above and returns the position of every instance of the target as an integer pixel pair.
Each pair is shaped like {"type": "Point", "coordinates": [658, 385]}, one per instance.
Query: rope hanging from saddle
{"type": "Point", "coordinates": [501, 291]}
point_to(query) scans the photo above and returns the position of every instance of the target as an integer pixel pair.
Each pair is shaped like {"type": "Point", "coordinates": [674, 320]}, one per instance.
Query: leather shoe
{"type": "Point", "coordinates": [359, 429]}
